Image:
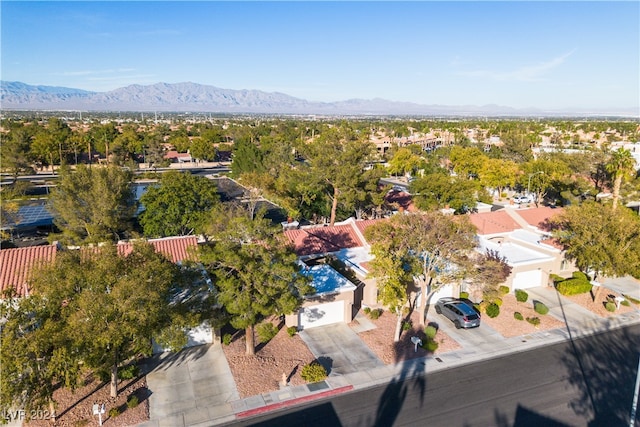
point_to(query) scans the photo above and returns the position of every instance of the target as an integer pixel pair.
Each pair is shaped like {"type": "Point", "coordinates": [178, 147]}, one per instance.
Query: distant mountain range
{"type": "Point", "coordinates": [193, 97]}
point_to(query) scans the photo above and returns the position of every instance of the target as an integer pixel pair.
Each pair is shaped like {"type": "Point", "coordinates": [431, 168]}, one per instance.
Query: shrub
{"type": "Point", "coordinates": [503, 290]}
{"type": "Point", "coordinates": [128, 372]}
{"type": "Point", "coordinates": [133, 401]}
{"type": "Point", "coordinates": [573, 287]}
{"type": "Point", "coordinates": [430, 345]}
{"type": "Point", "coordinates": [632, 299]}
{"type": "Point", "coordinates": [430, 331]}
{"type": "Point", "coordinates": [626, 303]}
{"type": "Point", "coordinates": [114, 412]}
{"type": "Point", "coordinates": [313, 372]}
{"type": "Point", "coordinates": [540, 308]}
{"type": "Point", "coordinates": [366, 310]}
{"type": "Point", "coordinates": [498, 302]}
{"type": "Point", "coordinates": [483, 306]}
{"type": "Point", "coordinates": [521, 296]}
{"type": "Point", "coordinates": [610, 306]}
{"type": "Point", "coordinates": [580, 276]}
{"type": "Point", "coordinates": [266, 332]}
{"type": "Point", "coordinates": [292, 330]}
{"type": "Point", "coordinates": [493, 310]}
{"type": "Point", "coordinates": [374, 314]}
{"type": "Point", "coordinates": [464, 295]}
{"type": "Point", "coordinates": [518, 316]}
{"type": "Point", "coordinates": [535, 321]}
{"type": "Point", "coordinates": [226, 339]}
{"type": "Point", "coordinates": [556, 278]}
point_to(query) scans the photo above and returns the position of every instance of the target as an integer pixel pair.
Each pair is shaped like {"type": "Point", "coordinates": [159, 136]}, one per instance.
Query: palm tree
{"type": "Point", "coordinates": [619, 166]}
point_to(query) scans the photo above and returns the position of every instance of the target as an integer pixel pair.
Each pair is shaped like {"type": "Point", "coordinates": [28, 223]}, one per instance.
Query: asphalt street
{"type": "Point", "coordinates": [586, 382]}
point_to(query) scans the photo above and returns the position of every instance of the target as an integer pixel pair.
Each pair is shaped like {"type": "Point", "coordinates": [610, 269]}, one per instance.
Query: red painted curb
{"type": "Point", "coordinates": [290, 402]}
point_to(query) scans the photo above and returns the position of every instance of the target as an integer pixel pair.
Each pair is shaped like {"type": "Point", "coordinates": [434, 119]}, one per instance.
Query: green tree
{"type": "Point", "coordinates": [439, 189]}
{"type": "Point", "coordinates": [467, 162]}
{"type": "Point", "coordinates": [203, 149]}
{"type": "Point", "coordinates": [102, 137]}
{"type": "Point", "coordinates": [337, 163]}
{"type": "Point", "coordinates": [36, 354]}
{"type": "Point", "coordinates": [620, 166]}
{"type": "Point", "coordinates": [498, 174]}
{"type": "Point", "coordinates": [431, 247]}
{"type": "Point", "coordinates": [394, 281]}
{"type": "Point", "coordinates": [246, 158]}
{"type": "Point", "coordinates": [178, 205]}
{"type": "Point", "coordinates": [14, 152]}
{"type": "Point", "coordinates": [403, 161]}
{"type": "Point", "coordinates": [600, 239]}
{"type": "Point", "coordinates": [90, 308]}
{"type": "Point", "coordinates": [92, 204]}
{"type": "Point", "coordinates": [257, 273]}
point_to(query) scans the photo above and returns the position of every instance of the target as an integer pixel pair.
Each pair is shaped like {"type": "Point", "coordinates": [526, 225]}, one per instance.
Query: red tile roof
{"type": "Point", "coordinates": [538, 217]}
{"type": "Point", "coordinates": [366, 223]}
{"type": "Point", "coordinates": [176, 249]}
{"type": "Point", "coordinates": [17, 264]}
{"type": "Point", "coordinates": [493, 222]}
{"type": "Point", "coordinates": [320, 240]}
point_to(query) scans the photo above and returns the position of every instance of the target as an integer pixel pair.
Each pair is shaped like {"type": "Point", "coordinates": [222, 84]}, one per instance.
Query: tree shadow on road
{"type": "Point", "coordinates": [603, 370]}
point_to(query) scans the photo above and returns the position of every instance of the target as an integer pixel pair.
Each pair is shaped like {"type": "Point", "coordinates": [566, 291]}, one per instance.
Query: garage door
{"type": "Point", "coordinates": [321, 314]}
{"type": "Point", "coordinates": [527, 279]}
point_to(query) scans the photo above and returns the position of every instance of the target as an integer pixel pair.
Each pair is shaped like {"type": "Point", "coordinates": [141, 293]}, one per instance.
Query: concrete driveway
{"type": "Point", "coordinates": [190, 387]}
{"type": "Point", "coordinates": [339, 349]}
{"type": "Point", "coordinates": [482, 338]}
{"type": "Point", "coordinates": [624, 285]}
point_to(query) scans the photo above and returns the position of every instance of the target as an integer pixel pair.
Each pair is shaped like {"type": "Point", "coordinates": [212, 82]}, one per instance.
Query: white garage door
{"type": "Point", "coordinates": [527, 279]}
{"type": "Point", "coordinates": [321, 314]}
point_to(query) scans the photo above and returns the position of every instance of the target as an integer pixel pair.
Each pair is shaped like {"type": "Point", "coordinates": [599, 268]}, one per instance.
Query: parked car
{"type": "Point", "coordinates": [523, 198]}
{"type": "Point", "coordinates": [459, 312]}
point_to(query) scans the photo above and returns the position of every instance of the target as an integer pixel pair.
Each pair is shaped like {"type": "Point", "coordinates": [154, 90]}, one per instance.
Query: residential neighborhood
{"type": "Point", "coordinates": [356, 285]}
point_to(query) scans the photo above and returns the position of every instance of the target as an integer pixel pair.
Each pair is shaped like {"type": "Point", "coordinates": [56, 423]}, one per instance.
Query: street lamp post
{"type": "Point", "coordinates": [531, 175]}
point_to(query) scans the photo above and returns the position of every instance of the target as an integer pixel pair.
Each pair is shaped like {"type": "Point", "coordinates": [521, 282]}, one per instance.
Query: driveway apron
{"type": "Point", "coordinates": [190, 387]}
{"type": "Point", "coordinates": [339, 349]}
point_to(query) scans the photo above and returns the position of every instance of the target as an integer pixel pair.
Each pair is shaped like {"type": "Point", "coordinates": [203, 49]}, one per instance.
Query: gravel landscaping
{"type": "Point", "coordinates": [508, 326]}
{"type": "Point", "coordinates": [287, 355]}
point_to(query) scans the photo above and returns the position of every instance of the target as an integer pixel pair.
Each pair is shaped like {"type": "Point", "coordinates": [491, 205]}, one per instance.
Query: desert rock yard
{"type": "Point", "coordinates": [287, 355]}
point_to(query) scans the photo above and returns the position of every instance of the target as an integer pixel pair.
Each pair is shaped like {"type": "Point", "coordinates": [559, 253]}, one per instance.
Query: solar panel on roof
{"type": "Point", "coordinates": [34, 215]}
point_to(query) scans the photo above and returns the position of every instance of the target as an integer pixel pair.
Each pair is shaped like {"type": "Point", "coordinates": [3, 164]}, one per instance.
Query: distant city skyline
{"type": "Point", "coordinates": [550, 55]}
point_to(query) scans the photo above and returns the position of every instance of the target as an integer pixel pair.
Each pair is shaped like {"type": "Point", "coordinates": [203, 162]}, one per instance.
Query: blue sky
{"type": "Point", "coordinates": [521, 54]}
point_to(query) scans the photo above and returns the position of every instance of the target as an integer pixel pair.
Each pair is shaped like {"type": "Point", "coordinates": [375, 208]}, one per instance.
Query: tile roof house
{"type": "Point", "coordinates": [17, 265]}
{"type": "Point", "coordinates": [323, 240]}
{"type": "Point", "coordinates": [522, 236]}
{"type": "Point", "coordinates": [344, 241]}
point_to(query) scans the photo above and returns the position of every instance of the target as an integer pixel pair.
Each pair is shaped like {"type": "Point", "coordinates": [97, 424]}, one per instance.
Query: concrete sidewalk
{"type": "Point", "coordinates": [195, 387]}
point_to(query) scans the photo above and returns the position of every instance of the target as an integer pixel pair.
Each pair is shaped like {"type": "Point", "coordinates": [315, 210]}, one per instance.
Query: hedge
{"type": "Point", "coordinates": [573, 286]}
{"type": "Point", "coordinates": [580, 276]}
